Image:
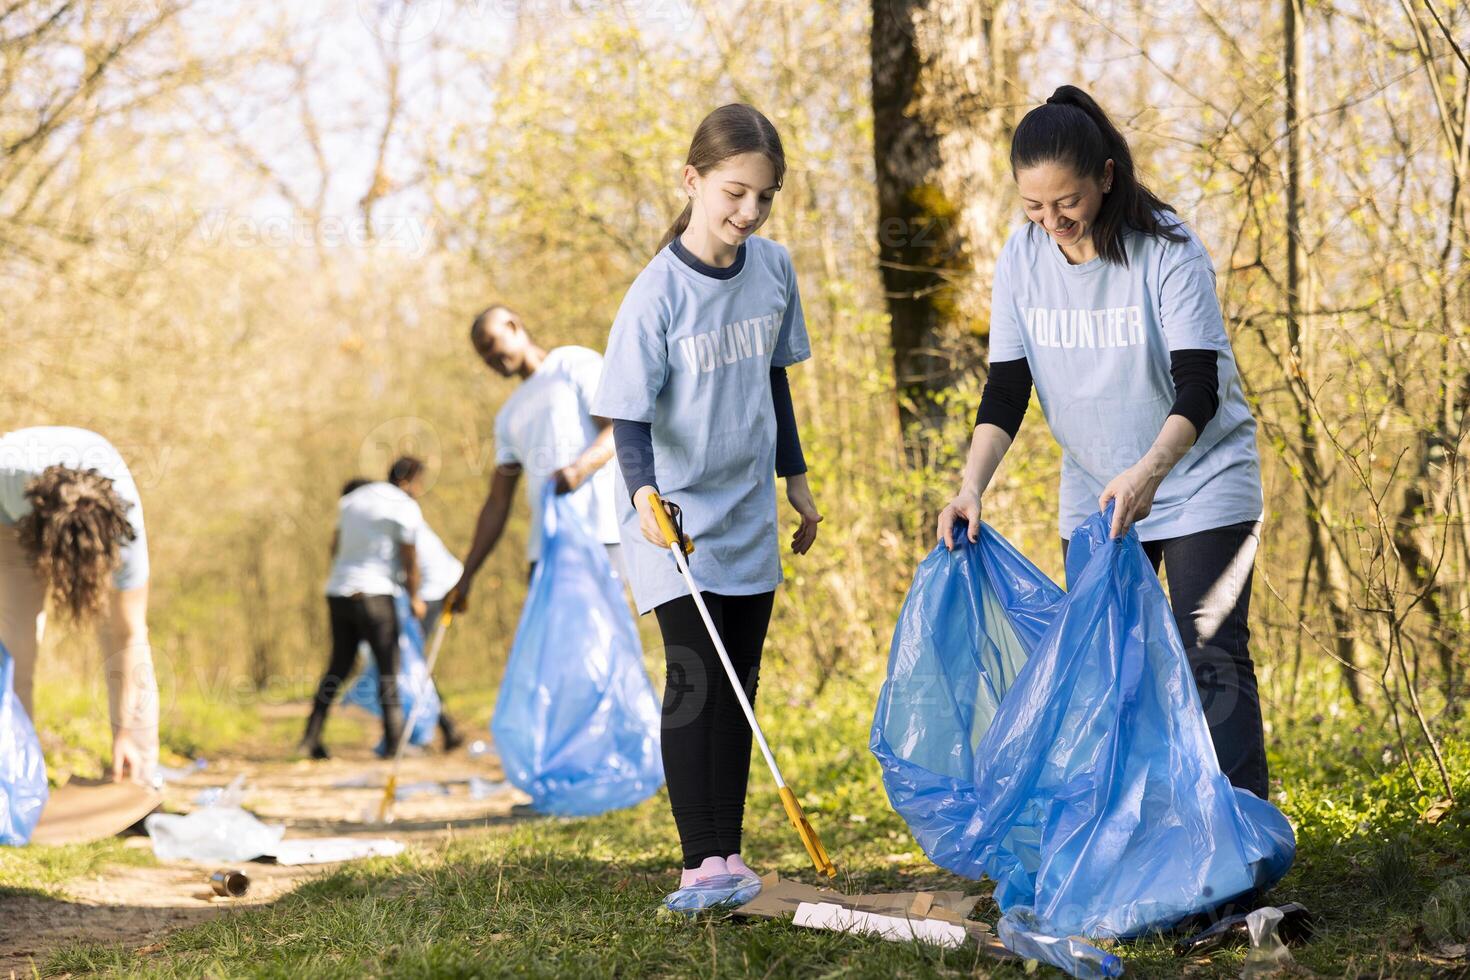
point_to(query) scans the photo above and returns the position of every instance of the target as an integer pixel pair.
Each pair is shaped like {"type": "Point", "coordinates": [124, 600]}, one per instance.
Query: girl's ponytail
{"type": "Point", "coordinates": [677, 228]}
{"type": "Point", "coordinates": [728, 132]}
{"type": "Point", "coordinates": [1072, 129]}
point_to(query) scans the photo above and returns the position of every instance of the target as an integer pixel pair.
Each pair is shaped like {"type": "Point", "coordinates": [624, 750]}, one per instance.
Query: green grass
{"type": "Point", "coordinates": [558, 897]}
{"type": "Point", "coordinates": [43, 870]}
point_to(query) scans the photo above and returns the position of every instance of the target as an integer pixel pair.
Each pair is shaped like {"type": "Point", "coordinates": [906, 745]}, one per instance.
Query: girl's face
{"type": "Point", "coordinates": [1063, 203]}
{"type": "Point", "coordinates": [733, 199]}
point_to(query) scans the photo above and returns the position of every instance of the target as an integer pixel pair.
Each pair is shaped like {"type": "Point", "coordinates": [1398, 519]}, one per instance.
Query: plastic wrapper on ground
{"type": "Point", "coordinates": [215, 833]}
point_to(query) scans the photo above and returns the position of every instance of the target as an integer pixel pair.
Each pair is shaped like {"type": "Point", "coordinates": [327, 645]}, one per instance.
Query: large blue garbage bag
{"type": "Point", "coordinates": [577, 723]}
{"type": "Point", "coordinates": [23, 789]}
{"type": "Point", "coordinates": [1054, 742]}
{"type": "Point", "coordinates": [416, 691]}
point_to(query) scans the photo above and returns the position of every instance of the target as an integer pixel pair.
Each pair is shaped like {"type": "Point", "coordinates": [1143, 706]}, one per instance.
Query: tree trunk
{"type": "Point", "coordinates": [942, 115]}
{"type": "Point", "coordinates": [1314, 482]}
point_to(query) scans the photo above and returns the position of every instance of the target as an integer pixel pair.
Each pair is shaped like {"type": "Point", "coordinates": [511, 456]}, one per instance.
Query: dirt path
{"type": "Point", "coordinates": [138, 905]}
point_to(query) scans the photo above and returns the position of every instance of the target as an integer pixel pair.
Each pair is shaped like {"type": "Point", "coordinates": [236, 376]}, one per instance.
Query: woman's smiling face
{"type": "Point", "coordinates": [1064, 203]}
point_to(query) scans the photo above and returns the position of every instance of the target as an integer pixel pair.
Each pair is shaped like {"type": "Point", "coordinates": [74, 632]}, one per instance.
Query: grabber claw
{"type": "Point", "coordinates": [808, 836]}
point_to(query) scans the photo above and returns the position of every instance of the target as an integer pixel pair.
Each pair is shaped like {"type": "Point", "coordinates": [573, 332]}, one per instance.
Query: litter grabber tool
{"type": "Point", "coordinates": [385, 809]}
{"type": "Point", "coordinates": [680, 546]}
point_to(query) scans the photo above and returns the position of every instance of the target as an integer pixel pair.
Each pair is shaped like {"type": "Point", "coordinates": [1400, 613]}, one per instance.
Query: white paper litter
{"type": "Point", "coordinates": [321, 850]}
{"type": "Point", "coordinates": [825, 915]}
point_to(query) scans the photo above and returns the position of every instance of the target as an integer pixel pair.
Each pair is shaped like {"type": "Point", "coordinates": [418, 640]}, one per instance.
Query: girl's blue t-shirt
{"type": "Point", "coordinates": [1097, 338]}
{"type": "Point", "coordinates": [692, 355]}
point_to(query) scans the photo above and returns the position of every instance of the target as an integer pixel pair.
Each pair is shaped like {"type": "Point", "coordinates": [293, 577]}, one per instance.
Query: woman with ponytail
{"type": "Point", "coordinates": [71, 530]}
{"type": "Point", "coordinates": [695, 381]}
{"type": "Point", "coordinates": [1105, 301]}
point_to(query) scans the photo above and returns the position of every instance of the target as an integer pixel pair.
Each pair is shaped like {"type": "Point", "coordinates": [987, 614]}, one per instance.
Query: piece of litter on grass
{"type": "Point", "coordinates": [478, 748]}
{"type": "Point", "coordinates": [481, 789]}
{"type": "Point", "coordinates": [169, 774]}
{"type": "Point", "coordinates": [322, 850]}
{"type": "Point", "coordinates": [364, 780]}
{"type": "Point", "coordinates": [420, 789]}
{"type": "Point", "coordinates": [231, 795]}
{"type": "Point", "coordinates": [839, 919]}
{"type": "Point", "coordinates": [216, 833]}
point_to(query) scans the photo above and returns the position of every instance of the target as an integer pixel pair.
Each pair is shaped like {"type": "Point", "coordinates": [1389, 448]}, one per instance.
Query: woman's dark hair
{"type": "Point", "coordinates": [1072, 130]}
{"type": "Point", "coordinates": [354, 483]}
{"type": "Point", "coordinates": [404, 469]}
{"type": "Point", "coordinates": [728, 132]}
{"type": "Point", "coordinates": [73, 536]}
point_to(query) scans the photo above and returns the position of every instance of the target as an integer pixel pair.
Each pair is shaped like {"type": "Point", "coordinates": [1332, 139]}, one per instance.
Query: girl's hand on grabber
{"type": "Point", "coordinates": [800, 496]}
{"type": "Point", "coordinates": [647, 523]}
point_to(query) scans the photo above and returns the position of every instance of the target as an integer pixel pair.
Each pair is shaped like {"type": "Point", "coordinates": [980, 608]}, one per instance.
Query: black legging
{"type": "Point", "coordinates": [355, 619]}
{"type": "Point", "coordinates": [705, 737]}
{"type": "Point", "coordinates": [1210, 591]}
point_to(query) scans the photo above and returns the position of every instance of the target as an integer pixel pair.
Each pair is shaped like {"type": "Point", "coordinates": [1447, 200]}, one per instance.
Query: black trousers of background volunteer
{"type": "Point", "coordinates": [705, 737]}
{"type": "Point", "coordinates": [1209, 575]}
{"type": "Point", "coordinates": [355, 619]}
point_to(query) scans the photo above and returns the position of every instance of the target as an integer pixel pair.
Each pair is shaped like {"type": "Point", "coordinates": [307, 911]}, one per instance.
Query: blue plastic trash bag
{"type": "Point", "coordinates": [23, 789]}
{"type": "Point", "coordinates": [414, 682]}
{"type": "Point", "coordinates": [1055, 743]}
{"type": "Point", "coordinates": [576, 722]}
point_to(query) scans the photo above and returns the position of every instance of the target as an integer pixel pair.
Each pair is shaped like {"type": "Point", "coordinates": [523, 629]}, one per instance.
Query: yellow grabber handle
{"type": "Point", "coordinates": [390, 789]}
{"type": "Point", "coordinates": [666, 525]}
{"type": "Point", "coordinates": [808, 836]}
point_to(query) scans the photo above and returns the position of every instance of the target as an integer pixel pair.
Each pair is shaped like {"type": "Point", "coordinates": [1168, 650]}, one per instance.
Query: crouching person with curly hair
{"type": "Point", "coordinates": [71, 531]}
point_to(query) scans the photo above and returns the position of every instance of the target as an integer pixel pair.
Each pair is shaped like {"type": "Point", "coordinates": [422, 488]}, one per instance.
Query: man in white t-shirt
{"type": "Point", "coordinates": [374, 548]}
{"type": "Point", "coordinates": [546, 431]}
{"type": "Point", "coordinates": [438, 572]}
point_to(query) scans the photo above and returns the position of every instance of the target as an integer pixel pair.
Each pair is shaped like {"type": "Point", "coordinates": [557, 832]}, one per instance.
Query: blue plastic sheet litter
{"type": "Point", "coordinates": [1054, 742]}
{"type": "Point", "coordinates": [416, 691]}
{"type": "Point", "coordinates": [576, 722]}
{"type": "Point", "coordinates": [23, 789]}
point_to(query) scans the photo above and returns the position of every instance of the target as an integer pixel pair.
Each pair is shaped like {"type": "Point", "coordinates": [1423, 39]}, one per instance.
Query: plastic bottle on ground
{"type": "Point", "coordinates": [1017, 930]}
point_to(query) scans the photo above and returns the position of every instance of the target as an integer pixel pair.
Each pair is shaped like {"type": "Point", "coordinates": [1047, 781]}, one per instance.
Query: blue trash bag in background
{"type": "Point", "coordinates": [576, 722]}
{"type": "Point", "coordinates": [414, 682]}
{"type": "Point", "coordinates": [1054, 742]}
{"type": "Point", "coordinates": [23, 789]}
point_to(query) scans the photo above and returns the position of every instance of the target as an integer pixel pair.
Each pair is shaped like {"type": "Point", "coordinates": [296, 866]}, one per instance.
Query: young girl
{"type": "Point", "coordinates": [1106, 301]}
{"type": "Point", "coordinates": [695, 381]}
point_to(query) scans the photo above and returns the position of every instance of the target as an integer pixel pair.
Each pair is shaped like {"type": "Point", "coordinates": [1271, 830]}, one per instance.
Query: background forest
{"type": "Point", "coordinates": [245, 242]}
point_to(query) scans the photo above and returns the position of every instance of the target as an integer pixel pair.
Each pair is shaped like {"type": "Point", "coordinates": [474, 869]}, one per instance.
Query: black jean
{"type": "Point", "coordinates": [356, 619]}
{"type": "Point", "coordinates": [705, 737]}
{"type": "Point", "coordinates": [1209, 575]}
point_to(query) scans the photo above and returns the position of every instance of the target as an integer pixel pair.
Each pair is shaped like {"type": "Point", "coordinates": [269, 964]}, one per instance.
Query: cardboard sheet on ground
{"type": "Point", "coordinates": [915, 914]}
{"type": "Point", "coordinates": [86, 810]}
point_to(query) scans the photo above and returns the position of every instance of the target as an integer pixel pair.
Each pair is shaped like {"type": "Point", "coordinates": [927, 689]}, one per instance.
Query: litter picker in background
{"type": "Point", "coordinates": [680, 546]}
{"type": "Point", "coordinates": [385, 809]}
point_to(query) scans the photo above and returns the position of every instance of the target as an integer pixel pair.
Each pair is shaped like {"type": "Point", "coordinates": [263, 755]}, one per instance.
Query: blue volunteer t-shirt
{"type": "Point", "coordinates": [692, 355]}
{"type": "Point", "coordinates": [1097, 338]}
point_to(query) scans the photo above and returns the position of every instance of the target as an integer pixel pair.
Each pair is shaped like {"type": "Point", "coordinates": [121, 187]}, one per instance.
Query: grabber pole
{"type": "Point", "coordinates": [385, 808]}
{"type": "Point", "coordinates": [680, 549]}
